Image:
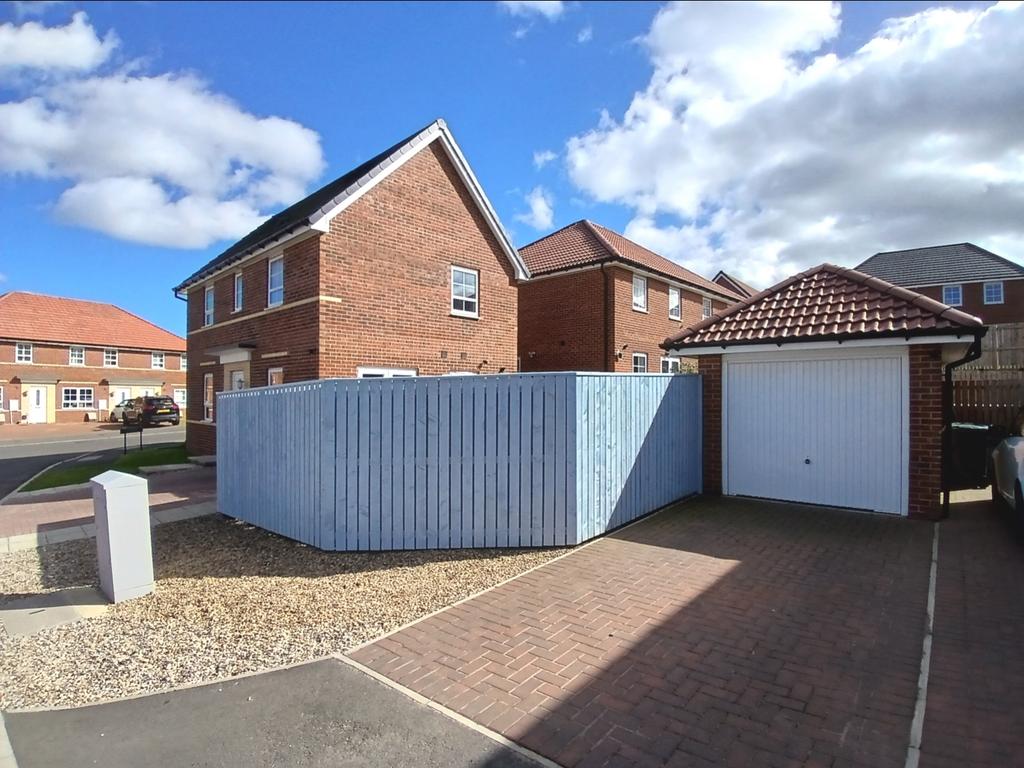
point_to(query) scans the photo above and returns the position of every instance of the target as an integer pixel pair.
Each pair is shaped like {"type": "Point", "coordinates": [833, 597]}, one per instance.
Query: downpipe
{"type": "Point", "coordinates": [973, 353]}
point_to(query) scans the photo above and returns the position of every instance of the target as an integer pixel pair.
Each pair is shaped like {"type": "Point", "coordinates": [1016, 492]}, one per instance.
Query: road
{"type": "Point", "coordinates": [23, 453]}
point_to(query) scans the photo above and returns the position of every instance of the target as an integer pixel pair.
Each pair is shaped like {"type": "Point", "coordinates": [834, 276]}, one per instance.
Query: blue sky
{"type": "Point", "coordinates": [511, 82]}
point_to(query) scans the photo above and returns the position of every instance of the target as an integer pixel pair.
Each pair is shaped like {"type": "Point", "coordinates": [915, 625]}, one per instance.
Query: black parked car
{"type": "Point", "coordinates": [152, 409]}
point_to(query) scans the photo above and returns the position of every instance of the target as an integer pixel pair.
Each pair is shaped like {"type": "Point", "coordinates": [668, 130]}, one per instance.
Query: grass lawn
{"type": "Point", "coordinates": [72, 474]}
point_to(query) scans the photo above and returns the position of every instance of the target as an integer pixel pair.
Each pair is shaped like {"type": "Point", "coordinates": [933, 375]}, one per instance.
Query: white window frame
{"type": "Point", "coordinates": [271, 290]}
{"type": "Point", "coordinates": [71, 356]}
{"type": "Point", "coordinates": [78, 404]}
{"type": "Point", "coordinates": [384, 373]}
{"type": "Point", "coordinates": [19, 352]}
{"type": "Point", "coordinates": [639, 281]}
{"type": "Point", "coordinates": [707, 308]}
{"type": "Point", "coordinates": [239, 292]}
{"type": "Point", "coordinates": [670, 363]}
{"type": "Point", "coordinates": [107, 353]}
{"type": "Point", "coordinates": [270, 375]}
{"type": "Point", "coordinates": [183, 362]}
{"type": "Point", "coordinates": [208, 306]}
{"type": "Point", "coordinates": [960, 293]}
{"type": "Point", "coordinates": [678, 294]}
{"type": "Point", "coordinates": [153, 357]}
{"type": "Point", "coordinates": [475, 312]}
{"type": "Point", "coordinates": [183, 401]}
{"type": "Point", "coordinates": [208, 413]}
{"type": "Point", "coordinates": [993, 284]}
{"type": "Point", "coordinates": [640, 357]}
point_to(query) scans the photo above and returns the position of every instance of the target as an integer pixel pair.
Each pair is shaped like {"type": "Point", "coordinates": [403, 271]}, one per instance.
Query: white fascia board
{"type": "Point", "coordinates": [808, 345]}
{"type": "Point", "coordinates": [321, 220]}
{"type": "Point", "coordinates": [675, 282]}
{"type": "Point", "coordinates": [277, 244]}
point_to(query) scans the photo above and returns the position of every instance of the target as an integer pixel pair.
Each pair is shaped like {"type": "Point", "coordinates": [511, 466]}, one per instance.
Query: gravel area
{"type": "Point", "coordinates": [229, 599]}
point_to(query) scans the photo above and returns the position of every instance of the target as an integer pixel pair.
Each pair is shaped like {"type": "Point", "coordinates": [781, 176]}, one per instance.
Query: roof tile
{"type": "Point", "coordinates": [824, 303]}
{"type": "Point", "coordinates": [34, 317]}
{"type": "Point", "coordinates": [938, 264]}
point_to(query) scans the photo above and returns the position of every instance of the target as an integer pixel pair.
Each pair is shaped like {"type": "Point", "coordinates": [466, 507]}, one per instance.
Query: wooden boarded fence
{"type": "Point", "coordinates": [988, 400]}
{"type": "Point", "coordinates": [450, 462]}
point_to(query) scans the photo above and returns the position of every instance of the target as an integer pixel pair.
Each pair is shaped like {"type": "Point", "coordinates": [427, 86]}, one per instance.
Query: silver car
{"type": "Point", "coordinates": [1008, 475]}
{"type": "Point", "coordinates": [117, 414]}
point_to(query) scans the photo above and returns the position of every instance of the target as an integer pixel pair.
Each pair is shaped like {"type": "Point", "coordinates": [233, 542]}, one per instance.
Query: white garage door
{"type": "Point", "coordinates": [817, 427]}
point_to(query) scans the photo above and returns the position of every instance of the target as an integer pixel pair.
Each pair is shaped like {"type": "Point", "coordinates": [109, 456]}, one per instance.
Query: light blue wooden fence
{"type": "Point", "coordinates": [515, 460]}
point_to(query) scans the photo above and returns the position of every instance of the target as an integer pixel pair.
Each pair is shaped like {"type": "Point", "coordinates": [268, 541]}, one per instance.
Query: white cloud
{"type": "Point", "coordinates": [542, 157]}
{"type": "Point", "coordinates": [159, 159]}
{"type": "Point", "coordinates": [542, 211]}
{"type": "Point", "coordinates": [75, 46]}
{"type": "Point", "coordinates": [753, 151]}
{"type": "Point", "coordinates": [585, 35]}
{"type": "Point", "coordinates": [549, 9]}
{"type": "Point", "coordinates": [23, 8]}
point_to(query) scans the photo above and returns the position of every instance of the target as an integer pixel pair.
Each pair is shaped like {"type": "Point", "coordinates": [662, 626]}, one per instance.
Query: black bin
{"type": "Point", "coordinates": [970, 449]}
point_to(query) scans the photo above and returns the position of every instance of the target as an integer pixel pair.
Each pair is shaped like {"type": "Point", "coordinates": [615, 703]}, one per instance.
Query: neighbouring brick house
{"type": "Point", "coordinates": [596, 301]}
{"type": "Point", "coordinates": [398, 268]}
{"type": "Point", "coordinates": [828, 389]}
{"type": "Point", "coordinates": [65, 360]}
{"type": "Point", "coordinates": [734, 284]}
{"type": "Point", "coordinates": [961, 275]}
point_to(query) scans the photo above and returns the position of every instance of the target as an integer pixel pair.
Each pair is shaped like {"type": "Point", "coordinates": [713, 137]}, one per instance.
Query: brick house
{"type": "Point", "coordinates": [66, 360]}
{"type": "Point", "coordinates": [961, 275]}
{"type": "Point", "coordinates": [828, 389]}
{"type": "Point", "coordinates": [398, 268]}
{"type": "Point", "coordinates": [734, 284]}
{"type": "Point", "coordinates": [596, 301]}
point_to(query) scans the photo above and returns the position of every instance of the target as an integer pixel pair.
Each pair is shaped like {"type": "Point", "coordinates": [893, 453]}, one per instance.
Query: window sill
{"type": "Point", "coordinates": [640, 309]}
{"type": "Point", "coordinates": [466, 315]}
{"type": "Point", "coordinates": [675, 319]}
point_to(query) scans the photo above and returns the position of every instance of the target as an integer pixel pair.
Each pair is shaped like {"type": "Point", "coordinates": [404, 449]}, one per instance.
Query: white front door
{"type": "Point", "coordinates": [820, 428]}
{"type": "Point", "coordinates": [35, 404]}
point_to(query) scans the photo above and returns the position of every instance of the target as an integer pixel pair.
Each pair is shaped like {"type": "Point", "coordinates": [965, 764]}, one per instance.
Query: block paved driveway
{"type": "Point", "coordinates": [720, 632]}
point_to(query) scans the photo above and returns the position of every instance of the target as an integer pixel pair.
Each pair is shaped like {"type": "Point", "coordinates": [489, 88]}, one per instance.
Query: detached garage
{"type": "Point", "coordinates": [828, 389]}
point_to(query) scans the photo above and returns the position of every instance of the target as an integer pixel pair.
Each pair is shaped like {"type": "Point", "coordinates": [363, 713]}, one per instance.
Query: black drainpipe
{"type": "Point", "coordinates": [973, 353]}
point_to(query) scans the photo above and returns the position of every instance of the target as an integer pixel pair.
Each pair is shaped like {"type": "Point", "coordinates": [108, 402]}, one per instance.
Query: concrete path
{"type": "Point", "coordinates": [326, 713]}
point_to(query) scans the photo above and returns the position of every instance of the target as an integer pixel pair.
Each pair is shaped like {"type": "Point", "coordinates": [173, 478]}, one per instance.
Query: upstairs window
{"type": "Point", "coordinates": [994, 293]}
{"type": "Point", "coordinates": [953, 295]}
{"type": "Point", "coordinates": [707, 309]}
{"type": "Point", "coordinates": [275, 282]}
{"type": "Point", "coordinates": [110, 358]}
{"type": "Point", "coordinates": [639, 362]}
{"type": "Point", "coordinates": [208, 306]}
{"type": "Point", "coordinates": [157, 360]}
{"type": "Point", "coordinates": [674, 304]}
{"type": "Point", "coordinates": [184, 363]}
{"type": "Point", "coordinates": [23, 352]}
{"type": "Point", "coordinates": [76, 356]}
{"type": "Point", "coordinates": [238, 292]}
{"type": "Point", "coordinates": [465, 292]}
{"type": "Point", "coordinates": [639, 293]}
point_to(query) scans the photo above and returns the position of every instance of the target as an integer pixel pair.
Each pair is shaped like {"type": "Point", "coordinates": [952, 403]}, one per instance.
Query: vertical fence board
{"type": "Point", "coordinates": [496, 461]}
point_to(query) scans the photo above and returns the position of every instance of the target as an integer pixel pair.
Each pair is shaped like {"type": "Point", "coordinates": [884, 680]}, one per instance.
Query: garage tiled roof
{"type": "Point", "coordinates": [938, 264]}
{"type": "Point", "coordinates": [583, 243]}
{"type": "Point", "coordinates": [34, 317]}
{"type": "Point", "coordinates": [822, 304]}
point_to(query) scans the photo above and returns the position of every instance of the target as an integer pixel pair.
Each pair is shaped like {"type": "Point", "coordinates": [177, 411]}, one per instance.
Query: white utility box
{"type": "Point", "coordinates": [124, 548]}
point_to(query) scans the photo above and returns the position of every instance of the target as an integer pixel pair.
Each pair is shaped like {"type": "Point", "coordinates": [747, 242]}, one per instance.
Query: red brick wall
{"type": "Point", "coordinates": [710, 367]}
{"type": "Point", "coordinates": [644, 331]}
{"type": "Point", "coordinates": [926, 375]}
{"type": "Point", "coordinates": [388, 259]}
{"type": "Point", "coordinates": [50, 366]}
{"type": "Point", "coordinates": [561, 323]}
{"type": "Point", "coordinates": [292, 329]}
{"type": "Point", "coordinates": [1010, 311]}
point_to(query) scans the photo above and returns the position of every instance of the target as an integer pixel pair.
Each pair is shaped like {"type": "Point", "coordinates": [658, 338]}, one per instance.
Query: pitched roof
{"type": "Point", "coordinates": [34, 317]}
{"type": "Point", "coordinates": [822, 304]}
{"type": "Point", "coordinates": [315, 210]}
{"type": "Point", "coordinates": [937, 264]}
{"type": "Point", "coordinates": [583, 243]}
{"type": "Point", "coordinates": [734, 284]}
